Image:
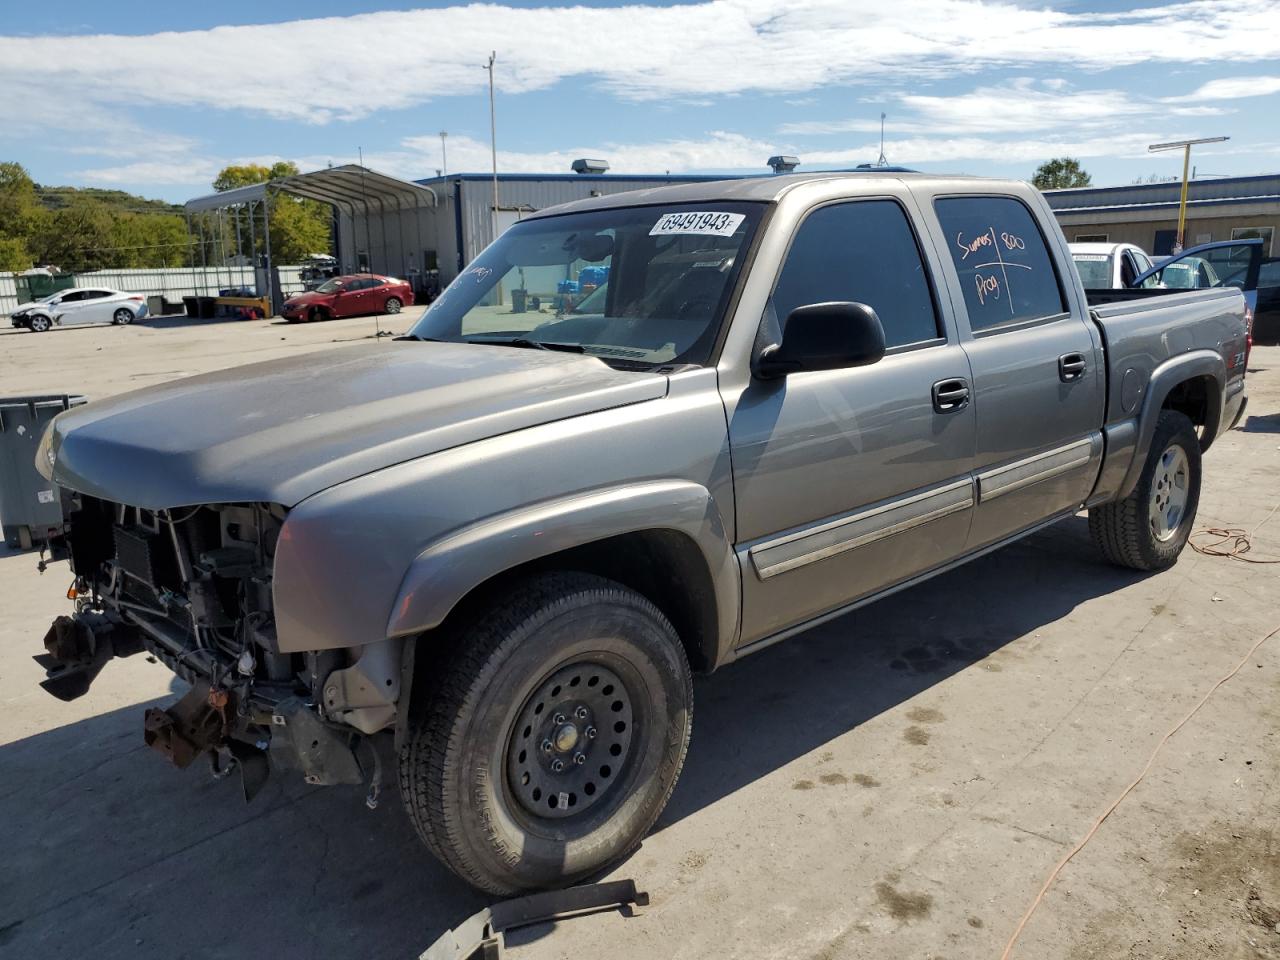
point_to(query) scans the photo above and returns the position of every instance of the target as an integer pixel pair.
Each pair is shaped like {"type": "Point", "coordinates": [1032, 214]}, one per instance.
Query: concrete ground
{"type": "Point", "coordinates": [897, 783]}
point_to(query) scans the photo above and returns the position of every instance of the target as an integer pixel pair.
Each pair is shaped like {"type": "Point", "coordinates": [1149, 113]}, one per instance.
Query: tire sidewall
{"type": "Point", "coordinates": [500, 837]}
{"type": "Point", "coordinates": [1172, 429]}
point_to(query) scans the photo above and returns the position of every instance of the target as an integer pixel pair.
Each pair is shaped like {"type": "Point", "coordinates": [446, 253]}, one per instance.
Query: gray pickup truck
{"type": "Point", "coordinates": [500, 545]}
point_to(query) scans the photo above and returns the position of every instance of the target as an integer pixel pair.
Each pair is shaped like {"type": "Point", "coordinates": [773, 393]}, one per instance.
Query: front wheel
{"type": "Point", "coordinates": [122, 317]}
{"type": "Point", "coordinates": [551, 739]}
{"type": "Point", "coordinates": [39, 324]}
{"type": "Point", "coordinates": [393, 305]}
{"type": "Point", "coordinates": [1148, 529]}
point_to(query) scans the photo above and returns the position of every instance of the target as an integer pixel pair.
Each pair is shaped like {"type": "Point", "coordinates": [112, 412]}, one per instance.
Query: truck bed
{"type": "Point", "coordinates": [1143, 329]}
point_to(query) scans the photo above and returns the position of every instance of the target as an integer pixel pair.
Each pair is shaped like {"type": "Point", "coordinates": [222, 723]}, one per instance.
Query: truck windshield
{"type": "Point", "coordinates": [642, 285]}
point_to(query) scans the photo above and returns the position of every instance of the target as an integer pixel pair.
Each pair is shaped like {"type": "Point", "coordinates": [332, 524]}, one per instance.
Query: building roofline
{"type": "Point", "coordinates": [1203, 202]}
{"type": "Point", "coordinates": [1162, 185]}
{"type": "Point", "coordinates": [651, 177]}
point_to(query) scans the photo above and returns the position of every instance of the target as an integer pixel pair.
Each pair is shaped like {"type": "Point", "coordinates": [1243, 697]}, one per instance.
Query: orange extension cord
{"type": "Point", "coordinates": [1008, 950]}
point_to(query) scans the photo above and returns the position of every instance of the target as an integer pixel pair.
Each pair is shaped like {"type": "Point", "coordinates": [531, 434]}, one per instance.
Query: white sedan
{"type": "Point", "coordinates": [80, 305]}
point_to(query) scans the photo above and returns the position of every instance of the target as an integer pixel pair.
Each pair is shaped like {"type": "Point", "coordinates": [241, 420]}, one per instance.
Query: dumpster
{"type": "Point", "coordinates": [30, 506]}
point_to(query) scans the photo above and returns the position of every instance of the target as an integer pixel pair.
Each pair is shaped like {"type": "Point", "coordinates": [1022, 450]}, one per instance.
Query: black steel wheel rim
{"type": "Point", "coordinates": [572, 742]}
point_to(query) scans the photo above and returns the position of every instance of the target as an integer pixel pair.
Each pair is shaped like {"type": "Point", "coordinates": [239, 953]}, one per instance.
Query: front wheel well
{"type": "Point", "coordinates": [664, 566]}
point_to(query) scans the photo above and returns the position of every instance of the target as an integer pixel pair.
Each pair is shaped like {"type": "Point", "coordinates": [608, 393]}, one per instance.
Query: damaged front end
{"type": "Point", "coordinates": [192, 588]}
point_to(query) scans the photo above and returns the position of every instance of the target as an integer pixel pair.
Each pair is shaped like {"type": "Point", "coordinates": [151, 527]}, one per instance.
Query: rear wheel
{"type": "Point", "coordinates": [1148, 529]}
{"type": "Point", "coordinates": [122, 317]}
{"type": "Point", "coordinates": [552, 738]}
{"type": "Point", "coordinates": [393, 305]}
{"type": "Point", "coordinates": [39, 324]}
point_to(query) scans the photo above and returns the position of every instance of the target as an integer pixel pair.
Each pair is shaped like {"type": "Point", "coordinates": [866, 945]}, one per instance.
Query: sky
{"type": "Point", "coordinates": [155, 98]}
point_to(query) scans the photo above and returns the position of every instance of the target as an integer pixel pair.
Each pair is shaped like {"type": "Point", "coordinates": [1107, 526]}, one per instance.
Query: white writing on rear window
{"type": "Point", "coordinates": [706, 223]}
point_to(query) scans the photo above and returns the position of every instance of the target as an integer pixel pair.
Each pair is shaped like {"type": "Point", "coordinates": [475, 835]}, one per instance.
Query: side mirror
{"type": "Point", "coordinates": [824, 336]}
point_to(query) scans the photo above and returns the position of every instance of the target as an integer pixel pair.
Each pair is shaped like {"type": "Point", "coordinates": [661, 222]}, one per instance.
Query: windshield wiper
{"type": "Point", "coordinates": [528, 344]}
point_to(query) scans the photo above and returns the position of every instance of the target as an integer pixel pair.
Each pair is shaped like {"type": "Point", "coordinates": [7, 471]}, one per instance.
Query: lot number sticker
{"type": "Point", "coordinates": [705, 223]}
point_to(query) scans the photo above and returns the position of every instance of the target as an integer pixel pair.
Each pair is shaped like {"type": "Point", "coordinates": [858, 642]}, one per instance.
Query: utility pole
{"type": "Point", "coordinates": [1185, 146]}
{"type": "Point", "coordinates": [493, 145]}
{"type": "Point", "coordinates": [444, 154]}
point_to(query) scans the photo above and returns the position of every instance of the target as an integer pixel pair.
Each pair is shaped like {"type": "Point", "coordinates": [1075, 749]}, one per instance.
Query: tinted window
{"type": "Point", "coordinates": [74, 296]}
{"type": "Point", "coordinates": [96, 294]}
{"type": "Point", "coordinates": [863, 252]}
{"type": "Point", "coordinates": [1005, 269]}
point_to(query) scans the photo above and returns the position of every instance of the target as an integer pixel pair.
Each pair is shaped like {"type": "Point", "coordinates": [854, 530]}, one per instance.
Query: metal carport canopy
{"type": "Point", "coordinates": [350, 186]}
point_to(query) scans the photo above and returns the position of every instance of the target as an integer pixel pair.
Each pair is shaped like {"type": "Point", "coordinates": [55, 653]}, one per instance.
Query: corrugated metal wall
{"type": "Point", "coordinates": [172, 284]}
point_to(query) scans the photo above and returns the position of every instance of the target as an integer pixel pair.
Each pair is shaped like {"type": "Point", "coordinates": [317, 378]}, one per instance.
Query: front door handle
{"type": "Point", "coordinates": [950, 395]}
{"type": "Point", "coordinates": [1071, 366]}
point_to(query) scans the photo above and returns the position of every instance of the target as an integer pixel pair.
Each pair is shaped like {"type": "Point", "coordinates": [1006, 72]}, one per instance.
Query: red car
{"type": "Point", "coordinates": [349, 296]}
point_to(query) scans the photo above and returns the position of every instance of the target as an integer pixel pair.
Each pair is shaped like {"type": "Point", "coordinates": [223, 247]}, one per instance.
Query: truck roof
{"type": "Point", "coordinates": [757, 189]}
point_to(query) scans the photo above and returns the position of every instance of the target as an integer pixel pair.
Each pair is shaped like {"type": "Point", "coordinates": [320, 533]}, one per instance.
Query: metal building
{"type": "Point", "coordinates": [1225, 208]}
{"type": "Point", "coordinates": [381, 224]}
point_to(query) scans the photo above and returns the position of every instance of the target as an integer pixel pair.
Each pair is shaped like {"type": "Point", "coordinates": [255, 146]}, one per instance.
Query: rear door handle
{"type": "Point", "coordinates": [1071, 366]}
{"type": "Point", "coordinates": [950, 395]}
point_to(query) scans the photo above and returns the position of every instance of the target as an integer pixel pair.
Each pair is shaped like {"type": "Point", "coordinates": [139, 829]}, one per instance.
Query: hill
{"type": "Point", "coordinates": [58, 198]}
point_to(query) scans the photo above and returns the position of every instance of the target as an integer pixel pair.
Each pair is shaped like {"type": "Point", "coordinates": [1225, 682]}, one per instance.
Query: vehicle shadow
{"type": "Point", "coordinates": [177, 320]}
{"type": "Point", "coordinates": [1269, 423]}
{"type": "Point", "coordinates": [112, 851]}
{"type": "Point", "coordinates": [790, 699]}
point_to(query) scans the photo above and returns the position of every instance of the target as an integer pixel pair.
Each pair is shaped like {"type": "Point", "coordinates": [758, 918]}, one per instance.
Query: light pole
{"type": "Point", "coordinates": [493, 146]}
{"type": "Point", "coordinates": [444, 154]}
{"type": "Point", "coordinates": [1185, 146]}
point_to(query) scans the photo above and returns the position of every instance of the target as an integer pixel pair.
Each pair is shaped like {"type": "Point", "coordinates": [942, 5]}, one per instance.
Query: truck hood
{"type": "Point", "coordinates": [283, 430]}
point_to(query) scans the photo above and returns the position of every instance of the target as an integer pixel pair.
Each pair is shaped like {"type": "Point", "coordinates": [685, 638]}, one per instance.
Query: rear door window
{"type": "Point", "coordinates": [864, 252]}
{"type": "Point", "coordinates": [1005, 269]}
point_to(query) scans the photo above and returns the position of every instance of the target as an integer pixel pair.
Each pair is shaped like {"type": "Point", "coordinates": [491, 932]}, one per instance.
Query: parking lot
{"type": "Point", "coordinates": [895, 783]}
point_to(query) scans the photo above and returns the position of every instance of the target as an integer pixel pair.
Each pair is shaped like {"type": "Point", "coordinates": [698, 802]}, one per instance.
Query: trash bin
{"type": "Point", "coordinates": [519, 300]}
{"type": "Point", "coordinates": [29, 504]}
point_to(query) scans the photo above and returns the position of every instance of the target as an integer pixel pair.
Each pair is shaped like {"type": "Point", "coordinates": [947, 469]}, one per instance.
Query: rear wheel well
{"type": "Point", "coordinates": [664, 566]}
{"type": "Point", "coordinates": [1198, 399]}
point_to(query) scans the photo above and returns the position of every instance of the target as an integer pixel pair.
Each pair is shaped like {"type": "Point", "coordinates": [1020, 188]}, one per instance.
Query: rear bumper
{"type": "Point", "coordinates": [1233, 405]}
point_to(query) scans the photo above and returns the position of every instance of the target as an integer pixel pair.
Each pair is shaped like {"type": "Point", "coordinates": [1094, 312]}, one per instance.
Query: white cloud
{"type": "Point", "coordinates": [158, 172]}
{"type": "Point", "coordinates": [397, 59]}
{"type": "Point", "coordinates": [1019, 106]}
{"type": "Point", "coordinates": [1232, 88]}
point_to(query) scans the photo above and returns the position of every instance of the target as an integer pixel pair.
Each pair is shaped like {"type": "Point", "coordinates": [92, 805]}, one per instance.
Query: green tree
{"type": "Point", "coordinates": [1061, 173]}
{"type": "Point", "coordinates": [76, 238]}
{"type": "Point", "coordinates": [14, 255]}
{"type": "Point", "coordinates": [20, 215]}
{"type": "Point", "coordinates": [298, 227]}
